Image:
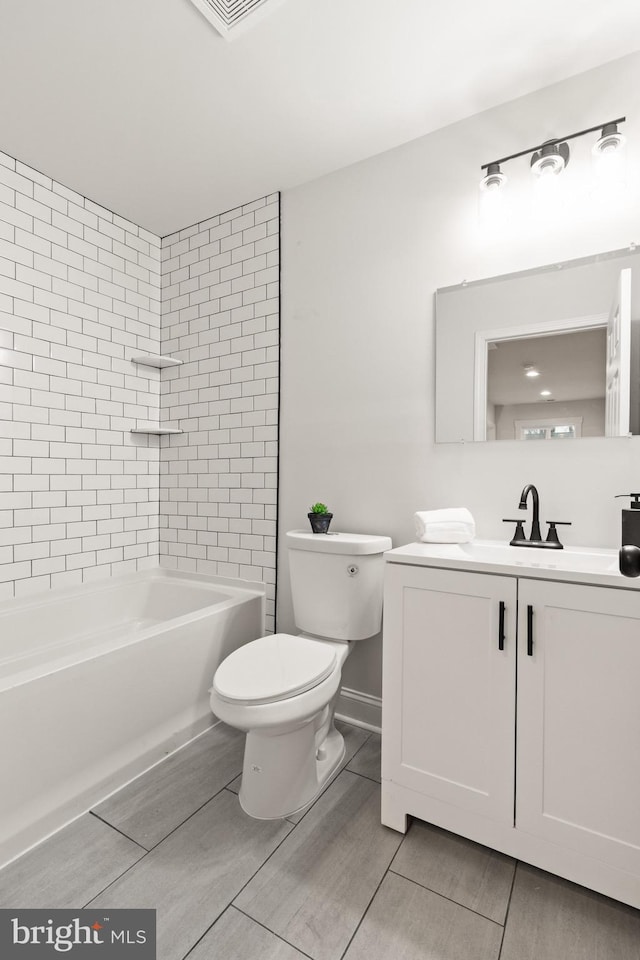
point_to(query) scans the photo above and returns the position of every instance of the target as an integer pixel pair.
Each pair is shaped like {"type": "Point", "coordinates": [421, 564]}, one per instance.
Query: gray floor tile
{"type": "Point", "coordinates": [475, 876]}
{"type": "Point", "coordinates": [408, 922]}
{"type": "Point", "coordinates": [192, 876]}
{"type": "Point", "coordinates": [315, 888]}
{"type": "Point", "coordinates": [236, 937]}
{"type": "Point", "coordinates": [550, 918]}
{"type": "Point", "coordinates": [366, 762]}
{"type": "Point", "coordinates": [154, 804]}
{"type": "Point", "coordinates": [69, 868]}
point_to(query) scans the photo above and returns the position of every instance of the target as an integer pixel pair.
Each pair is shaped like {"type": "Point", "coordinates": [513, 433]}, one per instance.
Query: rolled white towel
{"type": "Point", "coordinates": [451, 525]}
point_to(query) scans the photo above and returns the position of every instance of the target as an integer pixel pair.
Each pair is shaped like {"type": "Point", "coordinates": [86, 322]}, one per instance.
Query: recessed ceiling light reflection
{"type": "Point", "coordinates": [530, 370]}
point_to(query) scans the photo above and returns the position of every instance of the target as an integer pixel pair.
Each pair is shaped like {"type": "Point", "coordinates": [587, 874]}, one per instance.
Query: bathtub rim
{"type": "Point", "coordinates": [238, 590]}
{"type": "Point", "coordinates": [44, 597]}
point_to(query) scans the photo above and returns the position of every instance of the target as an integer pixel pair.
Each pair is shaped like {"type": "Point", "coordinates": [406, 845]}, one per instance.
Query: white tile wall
{"type": "Point", "coordinates": [82, 291]}
{"type": "Point", "coordinates": [220, 315]}
{"type": "Point", "coordinates": [79, 295]}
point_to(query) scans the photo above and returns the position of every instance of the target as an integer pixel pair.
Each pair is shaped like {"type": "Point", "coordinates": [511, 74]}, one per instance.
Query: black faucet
{"type": "Point", "coordinates": [519, 538]}
{"type": "Point", "coordinates": [535, 535]}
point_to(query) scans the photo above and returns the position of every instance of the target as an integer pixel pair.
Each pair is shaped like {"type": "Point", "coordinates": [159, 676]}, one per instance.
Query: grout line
{"type": "Point", "coordinates": [506, 916]}
{"type": "Point", "coordinates": [155, 846]}
{"type": "Point", "coordinates": [115, 880]}
{"type": "Point", "coordinates": [371, 899]}
{"type": "Point", "coordinates": [364, 776]}
{"type": "Point", "coordinates": [302, 953]}
{"type": "Point", "coordinates": [210, 927]}
{"type": "Point", "coordinates": [443, 896]}
{"type": "Point", "coordinates": [118, 830]}
{"type": "Point", "coordinates": [192, 814]}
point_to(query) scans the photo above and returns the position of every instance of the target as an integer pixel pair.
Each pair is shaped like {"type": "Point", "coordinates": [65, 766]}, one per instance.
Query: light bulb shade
{"type": "Point", "coordinates": [552, 158]}
{"type": "Point", "coordinates": [494, 178]}
{"type": "Point", "coordinates": [609, 141]}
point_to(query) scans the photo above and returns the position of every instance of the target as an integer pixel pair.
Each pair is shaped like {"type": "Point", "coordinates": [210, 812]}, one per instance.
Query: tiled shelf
{"type": "Point", "coordinates": [156, 360]}
{"type": "Point", "coordinates": [156, 431]}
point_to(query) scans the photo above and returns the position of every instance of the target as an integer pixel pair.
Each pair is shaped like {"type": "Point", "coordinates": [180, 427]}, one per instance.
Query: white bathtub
{"type": "Point", "coordinates": [99, 682]}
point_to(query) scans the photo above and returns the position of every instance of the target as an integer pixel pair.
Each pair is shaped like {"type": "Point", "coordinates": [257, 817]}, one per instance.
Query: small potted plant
{"type": "Point", "coordinates": [319, 517]}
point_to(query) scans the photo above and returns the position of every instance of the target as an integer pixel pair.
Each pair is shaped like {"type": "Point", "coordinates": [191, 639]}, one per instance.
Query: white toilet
{"type": "Point", "coordinates": [282, 689]}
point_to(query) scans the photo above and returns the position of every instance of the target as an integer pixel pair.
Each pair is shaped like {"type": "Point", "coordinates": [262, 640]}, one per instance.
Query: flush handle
{"type": "Point", "coordinates": [501, 626]}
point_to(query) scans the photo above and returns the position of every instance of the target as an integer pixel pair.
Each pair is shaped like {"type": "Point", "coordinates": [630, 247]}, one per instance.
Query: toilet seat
{"type": "Point", "coordinates": [273, 668]}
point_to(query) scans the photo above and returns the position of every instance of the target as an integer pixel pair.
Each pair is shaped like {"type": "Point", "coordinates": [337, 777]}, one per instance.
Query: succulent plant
{"type": "Point", "coordinates": [318, 508]}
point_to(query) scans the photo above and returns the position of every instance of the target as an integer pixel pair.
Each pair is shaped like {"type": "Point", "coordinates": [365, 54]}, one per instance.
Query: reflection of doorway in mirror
{"type": "Point", "coordinates": [583, 364]}
{"type": "Point", "coordinates": [537, 385]}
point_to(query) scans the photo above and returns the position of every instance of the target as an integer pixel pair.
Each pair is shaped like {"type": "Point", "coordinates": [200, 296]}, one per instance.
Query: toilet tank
{"type": "Point", "coordinates": [337, 583]}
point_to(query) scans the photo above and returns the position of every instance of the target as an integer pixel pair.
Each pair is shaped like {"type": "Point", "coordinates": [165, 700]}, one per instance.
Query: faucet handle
{"type": "Point", "coordinates": [519, 535]}
{"type": "Point", "coordinates": [552, 535]}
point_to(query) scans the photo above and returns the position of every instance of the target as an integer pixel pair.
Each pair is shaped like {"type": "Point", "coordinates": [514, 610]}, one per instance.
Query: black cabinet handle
{"type": "Point", "coordinates": [501, 626]}
{"type": "Point", "coordinates": [529, 630]}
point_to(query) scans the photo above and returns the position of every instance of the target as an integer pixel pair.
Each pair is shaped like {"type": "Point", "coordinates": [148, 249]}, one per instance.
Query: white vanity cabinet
{"type": "Point", "coordinates": [449, 687]}
{"type": "Point", "coordinates": [511, 715]}
{"type": "Point", "coordinates": [578, 741]}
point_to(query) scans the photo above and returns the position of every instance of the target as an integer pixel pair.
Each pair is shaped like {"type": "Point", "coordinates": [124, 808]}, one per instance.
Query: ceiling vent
{"type": "Point", "coordinates": [233, 17]}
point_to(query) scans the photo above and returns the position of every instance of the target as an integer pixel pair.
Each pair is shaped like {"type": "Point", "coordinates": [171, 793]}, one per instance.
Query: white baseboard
{"type": "Point", "coordinates": [360, 709]}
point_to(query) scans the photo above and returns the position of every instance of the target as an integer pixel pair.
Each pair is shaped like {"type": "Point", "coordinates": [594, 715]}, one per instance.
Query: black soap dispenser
{"type": "Point", "coordinates": [630, 549]}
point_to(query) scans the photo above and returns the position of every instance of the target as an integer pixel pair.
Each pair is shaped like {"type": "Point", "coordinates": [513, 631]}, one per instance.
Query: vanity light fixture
{"type": "Point", "coordinates": [611, 140]}
{"type": "Point", "coordinates": [494, 178]}
{"type": "Point", "coordinates": [552, 156]}
{"type": "Point", "coordinates": [551, 159]}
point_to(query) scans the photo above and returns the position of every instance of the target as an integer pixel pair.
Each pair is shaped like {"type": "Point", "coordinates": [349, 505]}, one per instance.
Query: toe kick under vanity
{"type": "Point", "coordinates": [511, 692]}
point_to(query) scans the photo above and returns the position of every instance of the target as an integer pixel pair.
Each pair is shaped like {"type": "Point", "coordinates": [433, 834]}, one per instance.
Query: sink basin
{"type": "Point", "coordinates": [579, 564]}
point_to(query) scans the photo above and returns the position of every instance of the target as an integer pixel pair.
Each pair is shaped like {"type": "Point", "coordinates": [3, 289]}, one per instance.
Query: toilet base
{"type": "Point", "coordinates": [283, 772]}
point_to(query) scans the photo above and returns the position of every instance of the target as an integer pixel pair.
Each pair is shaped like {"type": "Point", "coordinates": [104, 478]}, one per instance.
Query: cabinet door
{"type": "Point", "coordinates": [449, 690]}
{"type": "Point", "coordinates": [578, 767]}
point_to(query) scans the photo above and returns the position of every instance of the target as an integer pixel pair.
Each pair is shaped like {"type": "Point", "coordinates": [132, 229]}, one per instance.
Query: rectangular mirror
{"type": "Point", "coordinates": [551, 353]}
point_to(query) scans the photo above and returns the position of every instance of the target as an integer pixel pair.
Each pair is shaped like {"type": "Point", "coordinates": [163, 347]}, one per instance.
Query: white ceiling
{"type": "Point", "coordinates": [141, 106]}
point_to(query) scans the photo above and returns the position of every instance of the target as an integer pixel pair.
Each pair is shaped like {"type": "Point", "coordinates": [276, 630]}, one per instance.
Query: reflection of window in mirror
{"type": "Point", "coordinates": [558, 429]}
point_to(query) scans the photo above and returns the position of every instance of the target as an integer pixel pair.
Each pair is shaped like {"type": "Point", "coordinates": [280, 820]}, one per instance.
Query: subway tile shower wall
{"type": "Point", "coordinates": [79, 296]}
{"type": "Point", "coordinates": [82, 291]}
{"type": "Point", "coordinates": [220, 315]}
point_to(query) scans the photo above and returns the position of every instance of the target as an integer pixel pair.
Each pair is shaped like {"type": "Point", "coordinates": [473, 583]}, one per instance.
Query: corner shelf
{"type": "Point", "coordinates": [156, 360]}
{"type": "Point", "coordinates": [155, 431]}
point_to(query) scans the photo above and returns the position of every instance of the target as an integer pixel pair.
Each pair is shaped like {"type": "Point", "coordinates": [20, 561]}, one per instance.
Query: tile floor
{"type": "Point", "coordinates": [329, 884]}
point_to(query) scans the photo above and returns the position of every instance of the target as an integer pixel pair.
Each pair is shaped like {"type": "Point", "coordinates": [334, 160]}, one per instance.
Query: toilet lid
{"type": "Point", "coordinates": [273, 668]}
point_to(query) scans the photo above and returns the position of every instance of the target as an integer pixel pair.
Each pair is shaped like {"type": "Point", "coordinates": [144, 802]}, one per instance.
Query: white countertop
{"type": "Point", "coordinates": [592, 565]}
